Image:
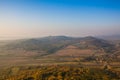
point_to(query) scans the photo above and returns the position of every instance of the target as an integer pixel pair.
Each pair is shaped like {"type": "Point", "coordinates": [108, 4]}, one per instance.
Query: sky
{"type": "Point", "coordinates": [38, 18]}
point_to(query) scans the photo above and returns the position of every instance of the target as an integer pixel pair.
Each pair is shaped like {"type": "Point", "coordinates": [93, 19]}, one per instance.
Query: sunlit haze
{"type": "Point", "coordinates": [38, 18]}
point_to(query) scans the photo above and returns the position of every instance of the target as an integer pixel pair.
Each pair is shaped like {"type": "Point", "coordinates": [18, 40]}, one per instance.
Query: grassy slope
{"type": "Point", "coordinates": [50, 50]}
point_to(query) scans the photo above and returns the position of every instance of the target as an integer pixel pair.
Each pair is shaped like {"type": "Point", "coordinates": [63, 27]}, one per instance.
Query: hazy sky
{"type": "Point", "coordinates": [36, 18]}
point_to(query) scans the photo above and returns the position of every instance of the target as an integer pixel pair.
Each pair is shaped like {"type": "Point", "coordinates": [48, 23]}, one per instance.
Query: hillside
{"type": "Point", "coordinates": [52, 44]}
{"type": "Point", "coordinates": [58, 73]}
{"type": "Point", "coordinates": [58, 50]}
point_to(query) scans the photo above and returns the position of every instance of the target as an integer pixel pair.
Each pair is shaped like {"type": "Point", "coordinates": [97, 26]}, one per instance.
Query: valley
{"type": "Point", "coordinates": [58, 50]}
{"type": "Point", "coordinates": [33, 56]}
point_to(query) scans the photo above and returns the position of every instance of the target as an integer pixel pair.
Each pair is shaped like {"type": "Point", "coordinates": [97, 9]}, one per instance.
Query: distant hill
{"type": "Point", "coordinates": [59, 49]}
{"type": "Point", "coordinates": [111, 37]}
{"type": "Point", "coordinates": [52, 44]}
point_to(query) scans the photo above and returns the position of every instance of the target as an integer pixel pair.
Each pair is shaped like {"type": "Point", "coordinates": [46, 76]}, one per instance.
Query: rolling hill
{"type": "Point", "coordinates": [57, 50]}
{"type": "Point", "coordinates": [53, 44]}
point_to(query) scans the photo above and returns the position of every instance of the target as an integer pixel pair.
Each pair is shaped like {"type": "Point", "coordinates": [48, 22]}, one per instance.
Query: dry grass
{"type": "Point", "coordinates": [72, 50]}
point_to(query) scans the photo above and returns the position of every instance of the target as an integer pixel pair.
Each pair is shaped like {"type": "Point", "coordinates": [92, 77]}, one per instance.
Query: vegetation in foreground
{"type": "Point", "coordinates": [60, 50]}
{"type": "Point", "coordinates": [58, 73]}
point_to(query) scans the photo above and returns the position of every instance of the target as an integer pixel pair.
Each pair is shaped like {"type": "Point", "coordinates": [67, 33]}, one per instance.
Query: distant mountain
{"type": "Point", "coordinates": [111, 37]}
{"type": "Point", "coordinates": [52, 44]}
{"type": "Point", "coordinates": [48, 44]}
